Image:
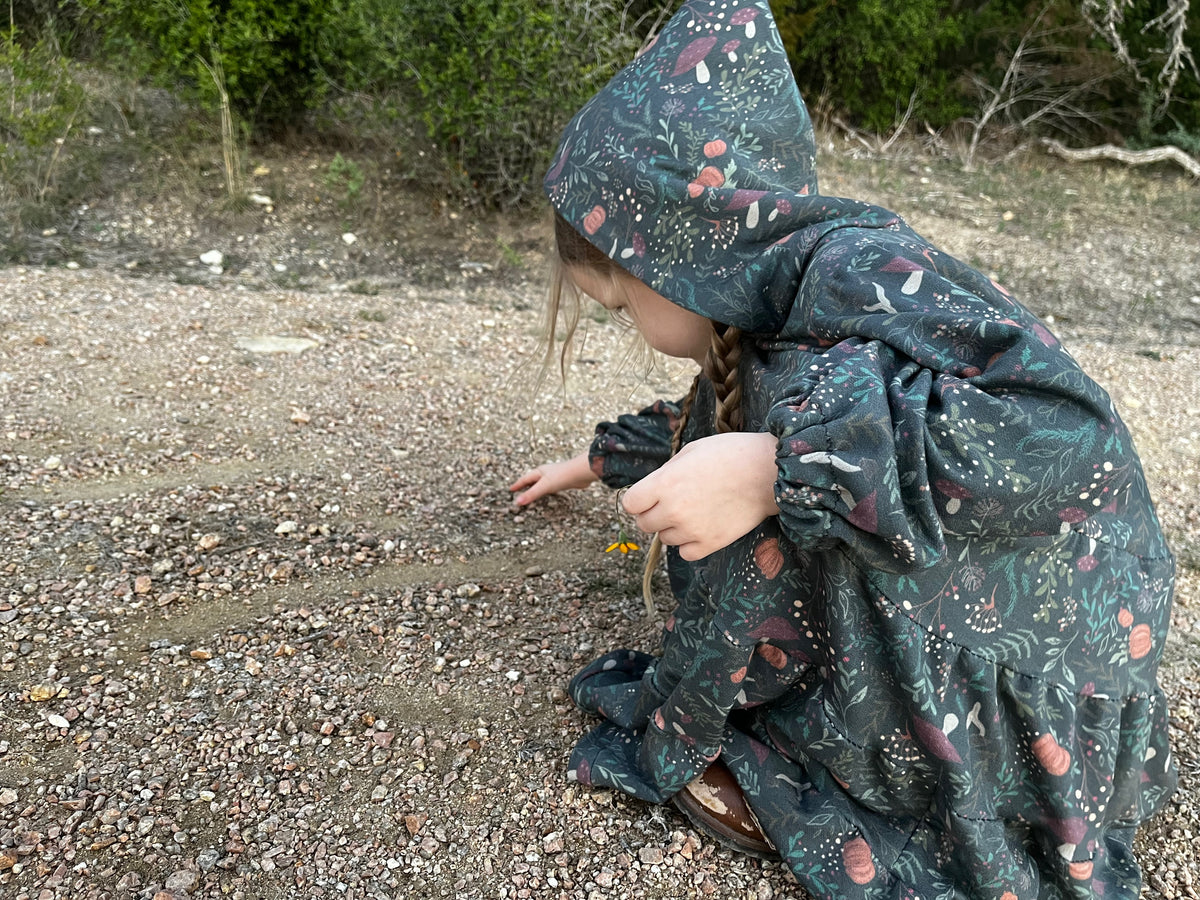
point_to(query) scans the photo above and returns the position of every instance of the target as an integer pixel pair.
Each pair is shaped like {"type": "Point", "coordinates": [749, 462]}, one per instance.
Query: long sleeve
{"type": "Point", "coordinates": [627, 450]}
{"type": "Point", "coordinates": [950, 419]}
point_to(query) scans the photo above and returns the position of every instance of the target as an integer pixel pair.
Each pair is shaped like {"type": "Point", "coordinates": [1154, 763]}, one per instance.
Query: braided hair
{"type": "Point", "coordinates": [720, 363]}
{"type": "Point", "coordinates": [721, 367]}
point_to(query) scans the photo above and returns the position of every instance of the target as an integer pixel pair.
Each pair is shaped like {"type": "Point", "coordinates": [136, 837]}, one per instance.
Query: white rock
{"type": "Point", "coordinates": [349, 238]}
{"type": "Point", "coordinates": [212, 258]}
{"type": "Point", "coordinates": [287, 527]}
{"type": "Point", "coordinates": [275, 344]}
{"type": "Point", "coordinates": [261, 200]}
{"type": "Point", "coordinates": [53, 462]}
{"type": "Point", "coordinates": [58, 721]}
{"type": "Point", "coordinates": [8, 797]}
{"type": "Point", "coordinates": [209, 541]}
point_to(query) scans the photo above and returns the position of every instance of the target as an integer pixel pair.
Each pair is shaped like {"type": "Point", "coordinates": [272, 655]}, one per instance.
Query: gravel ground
{"type": "Point", "coordinates": [270, 627]}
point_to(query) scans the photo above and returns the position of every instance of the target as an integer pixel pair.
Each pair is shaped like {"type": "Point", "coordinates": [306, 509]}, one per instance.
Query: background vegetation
{"type": "Point", "coordinates": [470, 94]}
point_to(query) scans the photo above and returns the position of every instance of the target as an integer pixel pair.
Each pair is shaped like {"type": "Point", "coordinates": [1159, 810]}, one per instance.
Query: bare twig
{"type": "Point", "coordinates": [1106, 17]}
{"type": "Point", "coordinates": [58, 145]}
{"type": "Point", "coordinates": [1029, 92]}
{"type": "Point", "coordinates": [229, 148]}
{"type": "Point", "coordinates": [875, 145]}
{"type": "Point", "coordinates": [901, 125]}
{"type": "Point", "coordinates": [852, 132]}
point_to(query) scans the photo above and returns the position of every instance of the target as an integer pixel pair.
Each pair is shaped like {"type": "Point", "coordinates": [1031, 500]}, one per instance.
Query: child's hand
{"type": "Point", "coordinates": [708, 495]}
{"type": "Point", "coordinates": [551, 478]}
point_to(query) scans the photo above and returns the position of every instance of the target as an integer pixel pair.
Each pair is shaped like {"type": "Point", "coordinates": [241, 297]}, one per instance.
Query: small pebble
{"type": "Point", "coordinates": [182, 880]}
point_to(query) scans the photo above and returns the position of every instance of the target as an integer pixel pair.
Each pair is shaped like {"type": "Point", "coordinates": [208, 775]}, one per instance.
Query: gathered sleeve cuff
{"type": "Point", "coordinates": [887, 457]}
{"type": "Point", "coordinates": [627, 450]}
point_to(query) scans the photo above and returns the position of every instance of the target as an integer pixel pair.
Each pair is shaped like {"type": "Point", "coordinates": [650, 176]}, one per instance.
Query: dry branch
{"type": "Point", "coordinates": [1129, 157]}
{"type": "Point", "coordinates": [1106, 18]}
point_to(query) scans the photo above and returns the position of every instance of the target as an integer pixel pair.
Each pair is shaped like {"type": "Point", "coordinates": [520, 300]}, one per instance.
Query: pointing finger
{"type": "Point", "coordinates": [525, 480]}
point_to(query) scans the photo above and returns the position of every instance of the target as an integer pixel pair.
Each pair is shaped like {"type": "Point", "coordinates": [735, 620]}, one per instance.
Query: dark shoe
{"type": "Point", "coordinates": [716, 806]}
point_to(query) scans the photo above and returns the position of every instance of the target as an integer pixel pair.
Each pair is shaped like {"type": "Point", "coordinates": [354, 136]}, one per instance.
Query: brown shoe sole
{"type": "Point", "coordinates": [716, 806]}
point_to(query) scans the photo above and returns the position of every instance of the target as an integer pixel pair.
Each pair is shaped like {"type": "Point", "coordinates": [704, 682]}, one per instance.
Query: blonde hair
{"type": "Point", "coordinates": [720, 363]}
{"type": "Point", "coordinates": [573, 250]}
{"type": "Point", "coordinates": [721, 367]}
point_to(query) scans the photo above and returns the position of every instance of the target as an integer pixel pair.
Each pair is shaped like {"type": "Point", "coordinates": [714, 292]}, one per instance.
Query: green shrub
{"type": "Point", "coordinates": [40, 107]}
{"type": "Point", "coordinates": [273, 52]}
{"type": "Point", "coordinates": [491, 82]}
{"type": "Point", "coordinates": [38, 18]}
{"type": "Point", "coordinates": [866, 58]}
{"type": "Point", "coordinates": [869, 57]}
{"type": "Point", "coordinates": [345, 178]}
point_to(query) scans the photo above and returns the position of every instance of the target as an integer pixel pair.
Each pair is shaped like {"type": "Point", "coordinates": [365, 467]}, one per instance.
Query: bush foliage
{"type": "Point", "coordinates": [273, 52]}
{"type": "Point", "coordinates": [42, 103]}
{"type": "Point", "coordinates": [872, 57]}
{"type": "Point", "coordinates": [1045, 61]}
{"type": "Point", "coordinates": [492, 82]}
{"type": "Point", "coordinates": [482, 88]}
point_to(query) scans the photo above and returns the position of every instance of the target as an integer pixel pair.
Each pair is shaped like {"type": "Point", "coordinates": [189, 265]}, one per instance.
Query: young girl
{"type": "Point", "coordinates": [921, 589]}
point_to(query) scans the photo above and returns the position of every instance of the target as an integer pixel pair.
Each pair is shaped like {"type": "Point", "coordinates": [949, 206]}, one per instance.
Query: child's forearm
{"type": "Point", "coordinates": [570, 474]}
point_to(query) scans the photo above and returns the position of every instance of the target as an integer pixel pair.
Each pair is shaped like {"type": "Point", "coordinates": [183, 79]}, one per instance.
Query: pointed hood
{"type": "Point", "coordinates": [694, 168]}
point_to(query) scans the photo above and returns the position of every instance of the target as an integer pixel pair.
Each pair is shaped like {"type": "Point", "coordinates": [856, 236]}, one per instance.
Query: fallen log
{"type": "Point", "coordinates": [1129, 157]}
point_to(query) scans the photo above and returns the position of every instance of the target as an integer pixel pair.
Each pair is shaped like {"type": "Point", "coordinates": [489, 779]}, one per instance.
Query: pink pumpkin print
{"type": "Point", "coordinates": [773, 655]}
{"type": "Point", "coordinates": [1054, 758]}
{"type": "Point", "coordinates": [594, 219]}
{"type": "Point", "coordinates": [856, 857]}
{"type": "Point", "coordinates": [1140, 641]}
{"type": "Point", "coordinates": [1081, 871]}
{"type": "Point", "coordinates": [769, 558]}
{"type": "Point", "coordinates": [710, 176]}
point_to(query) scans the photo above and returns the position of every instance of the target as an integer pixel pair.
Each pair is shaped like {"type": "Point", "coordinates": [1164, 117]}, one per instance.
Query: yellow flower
{"type": "Point", "coordinates": [623, 545]}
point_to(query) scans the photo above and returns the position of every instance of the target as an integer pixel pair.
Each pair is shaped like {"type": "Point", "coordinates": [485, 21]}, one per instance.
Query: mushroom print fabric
{"type": "Point", "coordinates": [934, 672]}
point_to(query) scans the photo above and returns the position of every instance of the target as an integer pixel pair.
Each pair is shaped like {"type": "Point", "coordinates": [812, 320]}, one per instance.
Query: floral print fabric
{"type": "Point", "coordinates": [934, 673]}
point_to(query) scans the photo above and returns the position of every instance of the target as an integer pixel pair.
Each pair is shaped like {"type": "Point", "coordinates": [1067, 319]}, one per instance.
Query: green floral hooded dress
{"type": "Point", "coordinates": [933, 673]}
